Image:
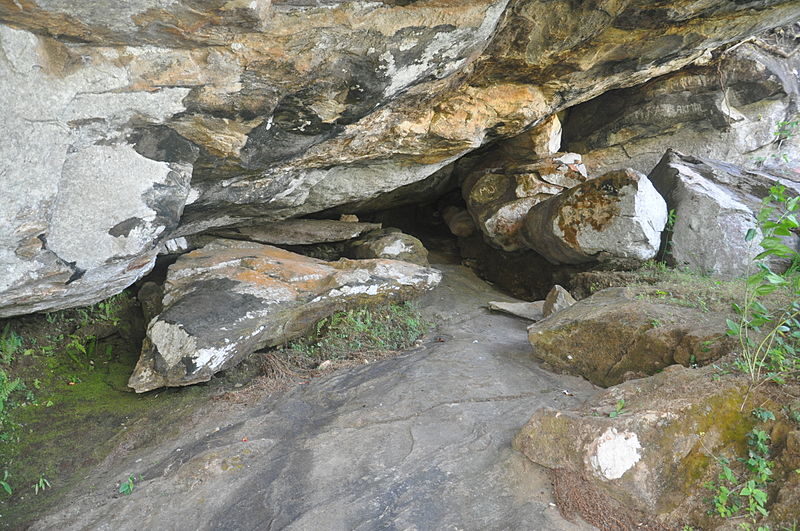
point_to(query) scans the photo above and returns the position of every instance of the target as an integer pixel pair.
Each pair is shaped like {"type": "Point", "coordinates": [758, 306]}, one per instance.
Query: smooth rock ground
{"type": "Point", "coordinates": [422, 441]}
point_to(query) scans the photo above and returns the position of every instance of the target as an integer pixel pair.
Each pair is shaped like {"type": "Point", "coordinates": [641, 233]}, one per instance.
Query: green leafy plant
{"type": "Point", "coordinates": [768, 338]}
{"type": "Point", "coordinates": [41, 484]}
{"type": "Point", "coordinates": [619, 409]}
{"type": "Point", "coordinates": [763, 414]}
{"type": "Point", "coordinates": [10, 343]}
{"type": "Point", "coordinates": [745, 494]}
{"type": "Point", "coordinates": [669, 228]}
{"type": "Point", "coordinates": [5, 484]}
{"type": "Point", "coordinates": [126, 486]}
{"type": "Point", "coordinates": [7, 386]}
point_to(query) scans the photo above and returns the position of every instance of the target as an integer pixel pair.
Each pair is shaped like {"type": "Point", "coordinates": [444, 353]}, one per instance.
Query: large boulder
{"type": "Point", "coordinates": [618, 215]}
{"type": "Point", "coordinates": [729, 110]}
{"type": "Point", "coordinates": [283, 108]}
{"type": "Point", "coordinates": [230, 298]}
{"type": "Point", "coordinates": [715, 205]}
{"type": "Point", "coordinates": [87, 197]}
{"type": "Point", "coordinates": [499, 198]}
{"type": "Point", "coordinates": [652, 454]}
{"type": "Point", "coordinates": [622, 333]}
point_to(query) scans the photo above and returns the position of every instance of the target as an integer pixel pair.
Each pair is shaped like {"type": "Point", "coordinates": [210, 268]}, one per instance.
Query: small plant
{"type": "Point", "coordinates": [41, 484]}
{"type": "Point", "coordinates": [5, 484]}
{"type": "Point", "coordinates": [746, 493]}
{"type": "Point", "coordinates": [656, 323]}
{"type": "Point", "coordinates": [361, 330]}
{"type": "Point", "coordinates": [10, 343]}
{"type": "Point", "coordinates": [763, 414]}
{"type": "Point", "coordinates": [768, 339]}
{"type": "Point", "coordinates": [126, 487]}
{"type": "Point", "coordinates": [666, 249]}
{"type": "Point", "coordinates": [7, 386]}
{"type": "Point", "coordinates": [619, 409]}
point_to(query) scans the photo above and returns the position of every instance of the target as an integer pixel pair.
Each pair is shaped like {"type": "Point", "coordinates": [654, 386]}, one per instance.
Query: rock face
{"type": "Point", "coordinates": [715, 205]}
{"type": "Point", "coordinates": [299, 231]}
{"type": "Point", "coordinates": [622, 333]}
{"type": "Point", "coordinates": [283, 108]}
{"type": "Point", "coordinates": [85, 204]}
{"type": "Point", "coordinates": [231, 298]}
{"type": "Point", "coordinates": [499, 198]}
{"type": "Point", "coordinates": [729, 110]}
{"type": "Point", "coordinates": [617, 215]}
{"type": "Point", "coordinates": [654, 454]}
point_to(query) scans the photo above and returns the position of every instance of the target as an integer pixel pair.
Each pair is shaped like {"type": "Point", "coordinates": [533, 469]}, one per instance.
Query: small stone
{"type": "Point", "coordinates": [527, 310]}
{"type": "Point", "coordinates": [557, 300]}
{"type": "Point", "coordinates": [325, 364]}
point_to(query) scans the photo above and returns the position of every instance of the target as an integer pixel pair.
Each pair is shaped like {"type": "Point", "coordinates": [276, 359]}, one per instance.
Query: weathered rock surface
{"type": "Point", "coordinates": [391, 244]}
{"type": "Point", "coordinates": [728, 110]}
{"type": "Point", "coordinates": [527, 310]}
{"type": "Point", "coordinates": [622, 333]}
{"type": "Point", "coordinates": [715, 205]}
{"type": "Point", "coordinates": [230, 298]}
{"type": "Point", "coordinates": [655, 454]}
{"type": "Point", "coordinates": [85, 204]}
{"type": "Point", "coordinates": [421, 441]}
{"type": "Point", "coordinates": [299, 231]}
{"type": "Point", "coordinates": [289, 107]}
{"type": "Point", "coordinates": [558, 299]}
{"type": "Point", "coordinates": [499, 198]}
{"type": "Point", "coordinates": [617, 215]}
{"type": "Point", "coordinates": [459, 221]}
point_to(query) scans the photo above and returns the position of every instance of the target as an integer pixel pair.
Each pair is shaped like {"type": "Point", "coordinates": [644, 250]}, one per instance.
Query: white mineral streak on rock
{"type": "Point", "coordinates": [614, 453]}
{"type": "Point", "coordinates": [172, 341]}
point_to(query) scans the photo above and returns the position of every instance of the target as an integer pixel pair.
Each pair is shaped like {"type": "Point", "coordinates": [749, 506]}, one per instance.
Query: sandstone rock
{"type": "Point", "coordinates": [527, 310]}
{"type": "Point", "coordinates": [230, 298]}
{"type": "Point", "coordinates": [499, 198]}
{"type": "Point", "coordinates": [656, 454]}
{"type": "Point", "coordinates": [458, 221]}
{"type": "Point", "coordinates": [728, 110]}
{"type": "Point", "coordinates": [619, 215]}
{"type": "Point", "coordinates": [85, 204]}
{"type": "Point", "coordinates": [619, 333]}
{"type": "Point", "coordinates": [558, 299]}
{"type": "Point", "coordinates": [715, 205]}
{"type": "Point", "coordinates": [299, 231]}
{"type": "Point", "coordinates": [391, 244]}
{"type": "Point", "coordinates": [283, 108]}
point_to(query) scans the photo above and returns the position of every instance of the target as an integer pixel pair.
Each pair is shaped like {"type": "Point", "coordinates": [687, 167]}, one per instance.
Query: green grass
{"type": "Point", "coordinates": [354, 334]}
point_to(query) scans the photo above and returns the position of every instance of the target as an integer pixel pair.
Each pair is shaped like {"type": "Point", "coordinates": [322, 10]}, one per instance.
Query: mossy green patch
{"type": "Point", "coordinates": [76, 408]}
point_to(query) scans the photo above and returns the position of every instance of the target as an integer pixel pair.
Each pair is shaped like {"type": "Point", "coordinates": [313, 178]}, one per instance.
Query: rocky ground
{"type": "Point", "coordinates": [422, 440]}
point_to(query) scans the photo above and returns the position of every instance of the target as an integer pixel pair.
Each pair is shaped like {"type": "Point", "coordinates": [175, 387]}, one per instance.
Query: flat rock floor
{"type": "Point", "coordinates": [421, 441]}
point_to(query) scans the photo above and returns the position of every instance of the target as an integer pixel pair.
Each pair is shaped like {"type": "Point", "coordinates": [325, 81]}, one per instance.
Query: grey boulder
{"type": "Point", "coordinates": [715, 206]}
{"type": "Point", "coordinates": [230, 298]}
{"type": "Point", "coordinates": [618, 215]}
